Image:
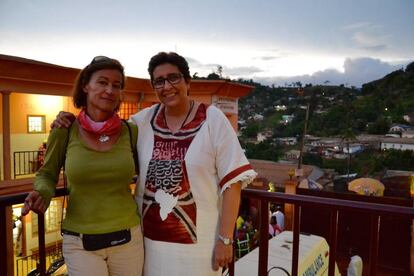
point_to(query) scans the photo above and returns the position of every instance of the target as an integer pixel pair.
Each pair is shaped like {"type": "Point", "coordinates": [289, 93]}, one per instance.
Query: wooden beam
{"type": "Point", "coordinates": [6, 135]}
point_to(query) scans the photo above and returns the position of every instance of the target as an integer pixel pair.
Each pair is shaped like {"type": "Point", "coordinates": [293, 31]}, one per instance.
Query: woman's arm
{"type": "Point", "coordinates": [234, 171]}
{"type": "Point", "coordinates": [223, 254]}
{"type": "Point", "coordinates": [48, 175]}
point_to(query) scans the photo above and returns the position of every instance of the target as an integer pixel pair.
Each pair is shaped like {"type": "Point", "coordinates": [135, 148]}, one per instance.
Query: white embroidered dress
{"type": "Point", "coordinates": [213, 160]}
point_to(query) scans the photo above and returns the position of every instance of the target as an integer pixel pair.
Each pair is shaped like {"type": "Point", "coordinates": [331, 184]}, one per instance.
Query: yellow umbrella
{"type": "Point", "coordinates": [366, 186]}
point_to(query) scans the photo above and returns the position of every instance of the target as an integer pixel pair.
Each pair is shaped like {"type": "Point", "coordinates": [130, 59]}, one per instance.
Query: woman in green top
{"type": "Point", "coordinates": [101, 233]}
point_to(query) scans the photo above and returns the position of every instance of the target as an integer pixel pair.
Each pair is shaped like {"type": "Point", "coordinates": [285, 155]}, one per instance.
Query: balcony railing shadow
{"type": "Point", "coordinates": [374, 210]}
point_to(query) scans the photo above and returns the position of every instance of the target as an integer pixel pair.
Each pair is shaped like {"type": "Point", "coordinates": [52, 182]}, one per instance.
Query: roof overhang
{"type": "Point", "coordinates": [20, 75]}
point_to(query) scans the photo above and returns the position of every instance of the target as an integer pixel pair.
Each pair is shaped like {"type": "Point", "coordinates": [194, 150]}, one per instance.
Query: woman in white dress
{"type": "Point", "coordinates": [192, 170]}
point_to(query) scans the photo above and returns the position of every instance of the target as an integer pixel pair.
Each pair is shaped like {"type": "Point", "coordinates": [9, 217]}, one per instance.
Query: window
{"type": "Point", "coordinates": [36, 124]}
{"type": "Point", "coordinates": [127, 109]}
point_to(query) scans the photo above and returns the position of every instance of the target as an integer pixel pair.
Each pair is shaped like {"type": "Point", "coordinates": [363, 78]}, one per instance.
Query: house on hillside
{"type": "Point", "coordinates": [280, 107]}
{"type": "Point", "coordinates": [325, 146]}
{"type": "Point", "coordinates": [370, 141]}
{"type": "Point", "coordinates": [277, 173]}
{"type": "Point", "coordinates": [397, 143]}
{"type": "Point", "coordinates": [286, 119]}
{"type": "Point", "coordinates": [408, 134]}
{"type": "Point", "coordinates": [288, 141]}
{"type": "Point", "coordinates": [353, 148]}
{"type": "Point", "coordinates": [262, 136]}
{"type": "Point", "coordinates": [400, 128]}
{"type": "Point", "coordinates": [409, 118]}
{"type": "Point", "coordinates": [258, 117]}
{"type": "Point", "coordinates": [292, 155]}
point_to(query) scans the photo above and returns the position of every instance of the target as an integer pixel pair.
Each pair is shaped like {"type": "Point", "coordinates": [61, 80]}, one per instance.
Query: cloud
{"type": "Point", "coordinates": [369, 41]}
{"type": "Point", "coordinates": [203, 69]}
{"type": "Point", "coordinates": [356, 72]}
{"type": "Point", "coordinates": [367, 36]}
{"type": "Point", "coordinates": [191, 60]}
{"type": "Point", "coordinates": [241, 71]}
{"type": "Point", "coordinates": [268, 57]}
{"type": "Point", "coordinates": [273, 54]}
{"type": "Point", "coordinates": [358, 26]}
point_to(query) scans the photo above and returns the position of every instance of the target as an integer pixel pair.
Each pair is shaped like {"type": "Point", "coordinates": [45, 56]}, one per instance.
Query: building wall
{"type": "Point", "coordinates": [22, 105]}
{"type": "Point", "coordinates": [397, 146]}
{"type": "Point", "coordinates": [1, 114]}
{"type": "Point", "coordinates": [1, 154]}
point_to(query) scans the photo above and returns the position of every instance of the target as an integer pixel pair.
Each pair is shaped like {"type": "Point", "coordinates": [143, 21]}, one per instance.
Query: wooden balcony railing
{"type": "Point", "coordinates": [27, 162]}
{"type": "Point", "coordinates": [373, 210]}
{"type": "Point", "coordinates": [6, 259]}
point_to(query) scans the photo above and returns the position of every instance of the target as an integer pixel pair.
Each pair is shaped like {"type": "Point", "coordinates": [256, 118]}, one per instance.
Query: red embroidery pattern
{"type": "Point", "coordinates": [167, 172]}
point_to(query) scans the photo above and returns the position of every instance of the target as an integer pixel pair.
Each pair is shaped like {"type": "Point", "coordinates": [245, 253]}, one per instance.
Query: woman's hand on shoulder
{"type": "Point", "coordinates": [63, 120]}
{"type": "Point", "coordinates": [34, 202]}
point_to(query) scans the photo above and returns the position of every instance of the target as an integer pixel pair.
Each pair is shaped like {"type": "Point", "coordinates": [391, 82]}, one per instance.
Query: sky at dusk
{"type": "Point", "coordinates": [273, 42]}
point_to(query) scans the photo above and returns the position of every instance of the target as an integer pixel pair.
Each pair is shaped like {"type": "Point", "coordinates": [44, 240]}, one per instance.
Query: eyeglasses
{"type": "Point", "coordinates": [174, 78]}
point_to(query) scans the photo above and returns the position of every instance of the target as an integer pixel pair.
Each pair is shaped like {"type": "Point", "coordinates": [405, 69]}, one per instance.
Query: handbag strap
{"type": "Point", "coordinates": [133, 146]}
{"type": "Point", "coordinates": [65, 181]}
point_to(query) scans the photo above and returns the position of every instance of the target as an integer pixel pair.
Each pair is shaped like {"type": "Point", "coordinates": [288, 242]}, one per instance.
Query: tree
{"type": "Point", "coordinates": [251, 130]}
{"type": "Point", "coordinates": [380, 126]}
{"type": "Point", "coordinates": [220, 71]}
{"type": "Point", "coordinates": [213, 76]}
{"type": "Point", "coordinates": [263, 151]}
{"type": "Point", "coordinates": [410, 67]}
{"type": "Point", "coordinates": [348, 136]}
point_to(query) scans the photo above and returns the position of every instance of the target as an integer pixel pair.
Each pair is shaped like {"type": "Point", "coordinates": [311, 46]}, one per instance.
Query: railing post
{"type": "Point", "coordinates": [6, 241]}
{"type": "Point", "coordinates": [374, 244]}
{"type": "Point", "coordinates": [412, 229]}
{"type": "Point", "coordinates": [333, 240]}
{"type": "Point", "coordinates": [290, 188]}
{"type": "Point", "coordinates": [264, 237]}
{"type": "Point", "coordinates": [231, 264]}
{"type": "Point", "coordinates": [42, 249]}
{"type": "Point", "coordinates": [296, 232]}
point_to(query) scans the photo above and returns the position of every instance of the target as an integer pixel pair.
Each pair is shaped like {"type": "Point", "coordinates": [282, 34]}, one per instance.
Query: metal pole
{"type": "Point", "coordinates": [302, 144]}
{"type": "Point", "coordinates": [42, 249]}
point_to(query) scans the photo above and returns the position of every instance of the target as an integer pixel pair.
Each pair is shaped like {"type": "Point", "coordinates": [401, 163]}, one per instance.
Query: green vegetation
{"type": "Point", "coordinates": [263, 151]}
{"type": "Point", "coordinates": [335, 111]}
{"type": "Point", "coordinates": [371, 109]}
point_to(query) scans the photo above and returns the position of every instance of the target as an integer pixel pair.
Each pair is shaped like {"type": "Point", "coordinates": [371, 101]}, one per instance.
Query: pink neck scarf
{"type": "Point", "coordinates": [108, 127]}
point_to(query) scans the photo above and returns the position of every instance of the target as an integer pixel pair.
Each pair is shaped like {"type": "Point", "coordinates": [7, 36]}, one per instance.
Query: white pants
{"type": "Point", "coordinates": [122, 260]}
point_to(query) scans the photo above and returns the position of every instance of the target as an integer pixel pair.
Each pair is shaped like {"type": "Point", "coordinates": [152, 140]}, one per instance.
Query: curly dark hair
{"type": "Point", "coordinates": [172, 58]}
{"type": "Point", "coordinates": [84, 76]}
